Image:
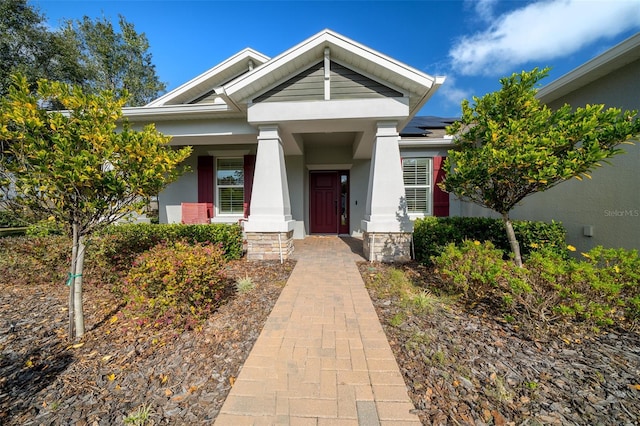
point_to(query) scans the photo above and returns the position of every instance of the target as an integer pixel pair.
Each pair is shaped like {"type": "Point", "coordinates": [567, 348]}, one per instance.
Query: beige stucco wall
{"type": "Point", "coordinates": [296, 179]}
{"type": "Point", "coordinates": [609, 203]}
{"type": "Point", "coordinates": [185, 189]}
{"type": "Point", "coordinates": [358, 197]}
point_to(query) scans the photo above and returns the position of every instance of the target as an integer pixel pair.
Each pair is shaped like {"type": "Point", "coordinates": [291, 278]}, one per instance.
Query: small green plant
{"type": "Point", "coordinates": [140, 417]}
{"type": "Point", "coordinates": [397, 319]}
{"type": "Point", "coordinates": [418, 340]}
{"type": "Point", "coordinates": [424, 302]}
{"type": "Point", "coordinates": [245, 285]}
{"type": "Point", "coordinates": [499, 389]}
{"type": "Point", "coordinates": [439, 357]}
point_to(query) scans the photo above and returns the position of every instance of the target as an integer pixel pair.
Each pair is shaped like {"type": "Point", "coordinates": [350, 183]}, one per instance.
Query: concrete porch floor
{"type": "Point", "coordinates": [322, 357]}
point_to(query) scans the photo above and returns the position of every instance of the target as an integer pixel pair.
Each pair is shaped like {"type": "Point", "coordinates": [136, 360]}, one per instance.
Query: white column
{"type": "Point", "coordinates": [386, 210]}
{"type": "Point", "coordinates": [270, 203]}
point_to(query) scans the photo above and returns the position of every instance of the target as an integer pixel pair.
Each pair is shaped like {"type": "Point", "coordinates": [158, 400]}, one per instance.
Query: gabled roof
{"type": "Point", "coordinates": [418, 85]}
{"type": "Point", "coordinates": [229, 88]}
{"type": "Point", "coordinates": [240, 63]}
{"type": "Point", "coordinates": [615, 58]}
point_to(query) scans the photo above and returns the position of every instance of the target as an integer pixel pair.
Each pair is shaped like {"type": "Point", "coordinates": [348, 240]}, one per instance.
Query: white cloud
{"type": "Point", "coordinates": [453, 94]}
{"type": "Point", "coordinates": [541, 31]}
{"type": "Point", "coordinates": [484, 8]}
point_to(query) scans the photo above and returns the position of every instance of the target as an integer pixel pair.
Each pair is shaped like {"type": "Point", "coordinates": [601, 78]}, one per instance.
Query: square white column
{"type": "Point", "coordinates": [386, 210]}
{"type": "Point", "coordinates": [270, 203]}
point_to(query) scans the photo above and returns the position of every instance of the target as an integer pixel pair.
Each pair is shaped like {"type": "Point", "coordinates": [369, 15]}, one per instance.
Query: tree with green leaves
{"type": "Point", "coordinates": [27, 46]}
{"type": "Point", "coordinates": [115, 60]}
{"type": "Point", "coordinates": [84, 166]}
{"type": "Point", "coordinates": [508, 145]}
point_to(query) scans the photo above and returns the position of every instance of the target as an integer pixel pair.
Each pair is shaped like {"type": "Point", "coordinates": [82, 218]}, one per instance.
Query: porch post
{"type": "Point", "coordinates": [387, 227]}
{"type": "Point", "coordinates": [269, 229]}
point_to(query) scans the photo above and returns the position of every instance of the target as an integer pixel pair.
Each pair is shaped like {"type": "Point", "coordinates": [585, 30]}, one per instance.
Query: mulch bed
{"type": "Point", "coordinates": [461, 365]}
{"type": "Point", "coordinates": [464, 366]}
{"type": "Point", "coordinates": [182, 377]}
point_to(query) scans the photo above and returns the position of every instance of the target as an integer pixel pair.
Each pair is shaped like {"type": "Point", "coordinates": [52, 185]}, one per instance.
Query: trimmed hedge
{"type": "Point", "coordinates": [34, 260]}
{"type": "Point", "coordinates": [122, 243]}
{"type": "Point", "coordinates": [10, 219]}
{"type": "Point", "coordinates": [432, 234]}
{"type": "Point", "coordinates": [12, 232]}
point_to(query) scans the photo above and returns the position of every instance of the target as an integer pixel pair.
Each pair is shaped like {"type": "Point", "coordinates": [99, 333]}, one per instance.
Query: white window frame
{"type": "Point", "coordinates": [427, 185]}
{"type": "Point", "coordinates": [219, 186]}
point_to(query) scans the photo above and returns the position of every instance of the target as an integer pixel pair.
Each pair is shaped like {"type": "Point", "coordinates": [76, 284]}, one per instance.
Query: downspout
{"type": "Point", "coordinates": [280, 247]}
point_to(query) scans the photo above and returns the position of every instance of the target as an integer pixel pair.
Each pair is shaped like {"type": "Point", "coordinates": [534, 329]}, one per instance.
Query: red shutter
{"type": "Point", "coordinates": [440, 198]}
{"type": "Point", "coordinates": [205, 182]}
{"type": "Point", "coordinates": [249, 168]}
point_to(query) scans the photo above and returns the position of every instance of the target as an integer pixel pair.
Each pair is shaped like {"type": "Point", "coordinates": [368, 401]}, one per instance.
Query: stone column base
{"type": "Point", "coordinates": [269, 245]}
{"type": "Point", "coordinates": [387, 247]}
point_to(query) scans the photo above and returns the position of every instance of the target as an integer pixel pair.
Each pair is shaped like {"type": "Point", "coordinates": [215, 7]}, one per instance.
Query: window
{"type": "Point", "coordinates": [416, 173]}
{"type": "Point", "coordinates": [230, 185]}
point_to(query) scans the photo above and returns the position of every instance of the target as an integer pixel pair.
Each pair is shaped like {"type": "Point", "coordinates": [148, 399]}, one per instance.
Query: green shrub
{"type": "Point", "coordinates": [34, 260]}
{"type": "Point", "coordinates": [45, 227]}
{"type": "Point", "coordinates": [602, 290]}
{"type": "Point", "coordinates": [478, 272]}
{"type": "Point", "coordinates": [432, 234]}
{"type": "Point", "coordinates": [12, 232]}
{"type": "Point", "coordinates": [176, 283]}
{"type": "Point", "coordinates": [11, 219]}
{"type": "Point", "coordinates": [121, 244]}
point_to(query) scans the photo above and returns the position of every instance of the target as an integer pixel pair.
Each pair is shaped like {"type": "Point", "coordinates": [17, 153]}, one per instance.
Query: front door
{"type": "Point", "coordinates": [329, 202]}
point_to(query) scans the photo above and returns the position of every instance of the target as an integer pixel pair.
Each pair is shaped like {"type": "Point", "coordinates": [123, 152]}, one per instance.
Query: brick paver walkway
{"type": "Point", "coordinates": [322, 357]}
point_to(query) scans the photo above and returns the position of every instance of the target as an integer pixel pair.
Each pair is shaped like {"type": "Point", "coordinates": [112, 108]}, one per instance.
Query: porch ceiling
{"type": "Point", "coordinates": [358, 134]}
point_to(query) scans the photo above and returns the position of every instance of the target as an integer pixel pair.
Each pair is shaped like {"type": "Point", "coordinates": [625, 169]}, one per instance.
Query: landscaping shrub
{"type": "Point", "coordinates": [478, 272]}
{"type": "Point", "coordinates": [30, 260]}
{"type": "Point", "coordinates": [432, 234]}
{"type": "Point", "coordinates": [176, 283]}
{"type": "Point", "coordinates": [10, 219]}
{"type": "Point", "coordinates": [120, 244]}
{"type": "Point", "coordinates": [45, 227]}
{"type": "Point", "coordinates": [551, 289]}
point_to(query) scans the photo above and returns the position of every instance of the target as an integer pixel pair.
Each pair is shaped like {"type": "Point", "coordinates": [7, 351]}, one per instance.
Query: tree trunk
{"type": "Point", "coordinates": [511, 235]}
{"type": "Point", "coordinates": [71, 280]}
{"type": "Point", "coordinates": [77, 298]}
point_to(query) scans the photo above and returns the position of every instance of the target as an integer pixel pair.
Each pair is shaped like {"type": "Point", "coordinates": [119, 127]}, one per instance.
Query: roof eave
{"type": "Point", "coordinates": [172, 112]}
{"type": "Point", "coordinates": [614, 58]}
{"type": "Point", "coordinates": [233, 61]}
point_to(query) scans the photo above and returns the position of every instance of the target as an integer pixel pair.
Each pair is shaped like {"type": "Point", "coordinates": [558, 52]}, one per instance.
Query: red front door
{"type": "Point", "coordinates": [329, 202]}
{"type": "Point", "coordinates": [323, 203]}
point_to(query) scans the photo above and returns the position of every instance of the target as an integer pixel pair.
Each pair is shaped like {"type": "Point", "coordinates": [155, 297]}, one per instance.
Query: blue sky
{"type": "Point", "coordinates": [471, 42]}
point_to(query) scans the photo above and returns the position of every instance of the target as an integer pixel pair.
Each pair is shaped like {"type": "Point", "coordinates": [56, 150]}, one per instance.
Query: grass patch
{"type": "Point", "coordinates": [140, 417]}
{"type": "Point", "coordinates": [245, 285]}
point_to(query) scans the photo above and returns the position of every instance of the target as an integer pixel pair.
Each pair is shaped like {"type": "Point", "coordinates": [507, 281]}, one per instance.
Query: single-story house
{"type": "Point", "coordinates": [318, 140]}
{"type": "Point", "coordinates": [603, 210]}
